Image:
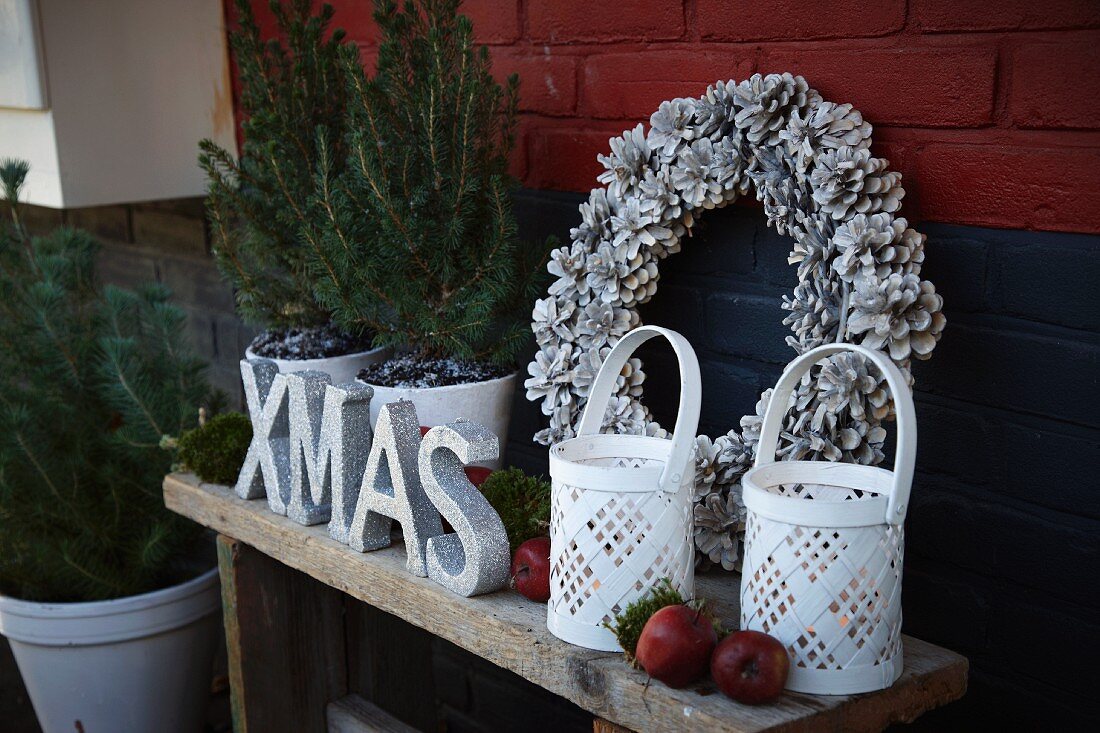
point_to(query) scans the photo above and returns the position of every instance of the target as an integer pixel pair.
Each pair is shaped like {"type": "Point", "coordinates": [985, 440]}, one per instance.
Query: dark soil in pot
{"type": "Point", "coordinates": [320, 342]}
{"type": "Point", "coordinates": [411, 371]}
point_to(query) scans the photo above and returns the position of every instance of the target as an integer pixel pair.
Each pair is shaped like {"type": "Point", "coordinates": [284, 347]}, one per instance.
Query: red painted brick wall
{"type": "Point", "coordinates": [990, 109]}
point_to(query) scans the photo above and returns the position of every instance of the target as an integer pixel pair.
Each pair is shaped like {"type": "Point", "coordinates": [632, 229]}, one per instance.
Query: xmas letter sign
{"type": "Point", "coordinates": [314, 457]}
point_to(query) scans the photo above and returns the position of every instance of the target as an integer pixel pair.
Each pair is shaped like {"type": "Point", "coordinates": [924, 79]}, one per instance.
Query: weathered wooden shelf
{"type": "Point", "coordinates": [509, 631]}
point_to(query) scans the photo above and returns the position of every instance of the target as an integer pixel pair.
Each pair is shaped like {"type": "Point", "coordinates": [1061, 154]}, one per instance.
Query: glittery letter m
{"type": "Point", "coordinates": [330, 436]}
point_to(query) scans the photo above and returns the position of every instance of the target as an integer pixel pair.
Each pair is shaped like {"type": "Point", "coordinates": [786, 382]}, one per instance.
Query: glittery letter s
{"type": "Point", "coordinates": [474, 559]}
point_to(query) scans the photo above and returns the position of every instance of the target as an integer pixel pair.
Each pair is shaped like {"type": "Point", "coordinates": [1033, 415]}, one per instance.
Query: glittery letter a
{"type": "Point", "coordinates": [266, 469]}
{"type": "Point", "coordinates": [391, 489]}
{"type": "Point", "coordinates": [475, 558]}
{"type": "Point", "coordinates": [329, 439]}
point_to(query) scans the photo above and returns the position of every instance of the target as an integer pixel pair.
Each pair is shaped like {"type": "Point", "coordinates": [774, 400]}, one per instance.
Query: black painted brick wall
{"type": "Point", "coordinates": [1003, 546]}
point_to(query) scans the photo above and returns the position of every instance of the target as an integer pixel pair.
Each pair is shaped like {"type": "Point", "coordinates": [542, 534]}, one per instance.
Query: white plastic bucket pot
{"type": "Point", "coordinates": [823, 548]}
{"type": "Point", "coordinates": [342, 368]}
{"type": "Point", "coordinates": [620, 506]}
{"type": "Point", "coordinates": [488, 403]}
{"type": "Point", "coordinates": [140, 664]}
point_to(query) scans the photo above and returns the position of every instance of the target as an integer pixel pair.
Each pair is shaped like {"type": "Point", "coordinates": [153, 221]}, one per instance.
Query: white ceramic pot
{"type": "Point", "coordinates": [140, 664]}
{"type": "Point", "coordinates": [342, 369]}
{"type": "Point", "coordinates": [488, 403]}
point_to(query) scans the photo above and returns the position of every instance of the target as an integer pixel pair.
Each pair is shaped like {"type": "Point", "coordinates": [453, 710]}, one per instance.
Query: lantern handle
{"type": "Point", "coordinates": [906, 452]}
{"type": "Point", "coordinates": [687, 416]}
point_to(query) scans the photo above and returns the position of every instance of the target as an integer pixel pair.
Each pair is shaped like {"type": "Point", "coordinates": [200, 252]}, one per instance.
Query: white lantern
{"type": "Point", "coordinates": [620, 514]}
{"type": "Point", "coordinates": [823, 548]}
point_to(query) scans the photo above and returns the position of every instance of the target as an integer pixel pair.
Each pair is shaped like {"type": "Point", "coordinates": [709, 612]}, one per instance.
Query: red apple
{"type": "Point", "coordinates": [531, 569]}
{"type": "Point", "coordinates": [675, 645]}
{"type": "Point", "coordinates": [477, 474]}
{"type": "Point", "coordinates": [751, 667]}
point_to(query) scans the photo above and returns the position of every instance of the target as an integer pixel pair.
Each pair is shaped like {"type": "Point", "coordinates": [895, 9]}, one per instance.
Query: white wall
{"type": "Point", "coordinates": [133, 85]}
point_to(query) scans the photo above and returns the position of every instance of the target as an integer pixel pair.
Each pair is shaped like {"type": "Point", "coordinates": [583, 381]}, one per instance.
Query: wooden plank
{"type": "Point", "coordinates": [390, 664]}
{"type": "Point", "coordinates": [227, 559]}
{"type": "Point", "coordinates": [353, 714]}
{"type": "Point", "coordinates": [599, 725]}
{"type": "Point", "coordinates": [285, 635]}
{"type": "Point", "coordinates": [511, 632]}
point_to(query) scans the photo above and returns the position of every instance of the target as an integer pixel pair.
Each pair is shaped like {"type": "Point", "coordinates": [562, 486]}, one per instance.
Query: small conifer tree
{"type": "Point", "coordinates": [292, 89]}
{"type": "Point", "coordinates": [91, 380]}
{"type": "Point", "coordinates": [420, 218]}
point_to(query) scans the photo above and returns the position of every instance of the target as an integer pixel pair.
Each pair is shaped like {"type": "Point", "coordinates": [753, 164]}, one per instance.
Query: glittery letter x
{"type": "Point", "coordinates": [266, 469]}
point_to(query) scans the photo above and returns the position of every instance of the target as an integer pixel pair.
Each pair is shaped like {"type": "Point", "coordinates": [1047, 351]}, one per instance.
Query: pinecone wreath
{"type": "Point", "coordinates": [858, 263]}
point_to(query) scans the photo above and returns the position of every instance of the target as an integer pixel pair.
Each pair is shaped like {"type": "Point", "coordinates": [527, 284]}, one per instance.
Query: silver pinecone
{"type": "Point", "coordinates": [765, 103]}
{"type": "Point", "coordinates": [693, 176]}
{"type": "Point", "coordinates": [638, 228]}
{"type": "Point", "coordinates": [568, 265]}
{"type": "Point", "coordinates": [552, 319]}
{"type": "Point", "coordinates": [561, 425]}
{"type": "Point", "coordinates": [595, 223]}
{"type": "Point", "coordinates": [626, 165]}
{"type": "Point", "coordinates": [850, 180]}
{"type": "Point", "coordinates": [714, 112]}
{"type": "Point", "coordinates": [671, 127]}
{"type": "Point", "coordinates": [824, 126]}
{"type": "Point", "coordinates": [624, 416]}
{"type": "Point", "coordinates": [847, 383]}
{"type": "Point", "coordinates": [734, 457]}
{"type": "Point", "coordinates": [876, 246]}
{"type": "Point", "coordinates": [814, 308]}
{"type": "Point", "coordinates": [901, 313]}
{"type": "Point", "coordinates": [629, 381]}
{"type": "Point", "coordinates": [661, 202]}
{"type": "Point", "coordinates": [720, 527]}
{"type": "Point", "coordinates": [706, 466]}
{"type": "Point", "coordinates": [602, 324]}
{"type": "Point", "coordinates": [551, 372]}
{"type": "Point", "coordinates": [620, 279]}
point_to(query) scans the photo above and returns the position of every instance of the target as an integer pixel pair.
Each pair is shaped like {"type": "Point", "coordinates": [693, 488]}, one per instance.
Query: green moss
{"type": "Point", "coordinates": [522, 501]}
{"type": "Point", "coordinates": [630, 622]}
{"type": "Point", "coordinates": [216, 451]}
